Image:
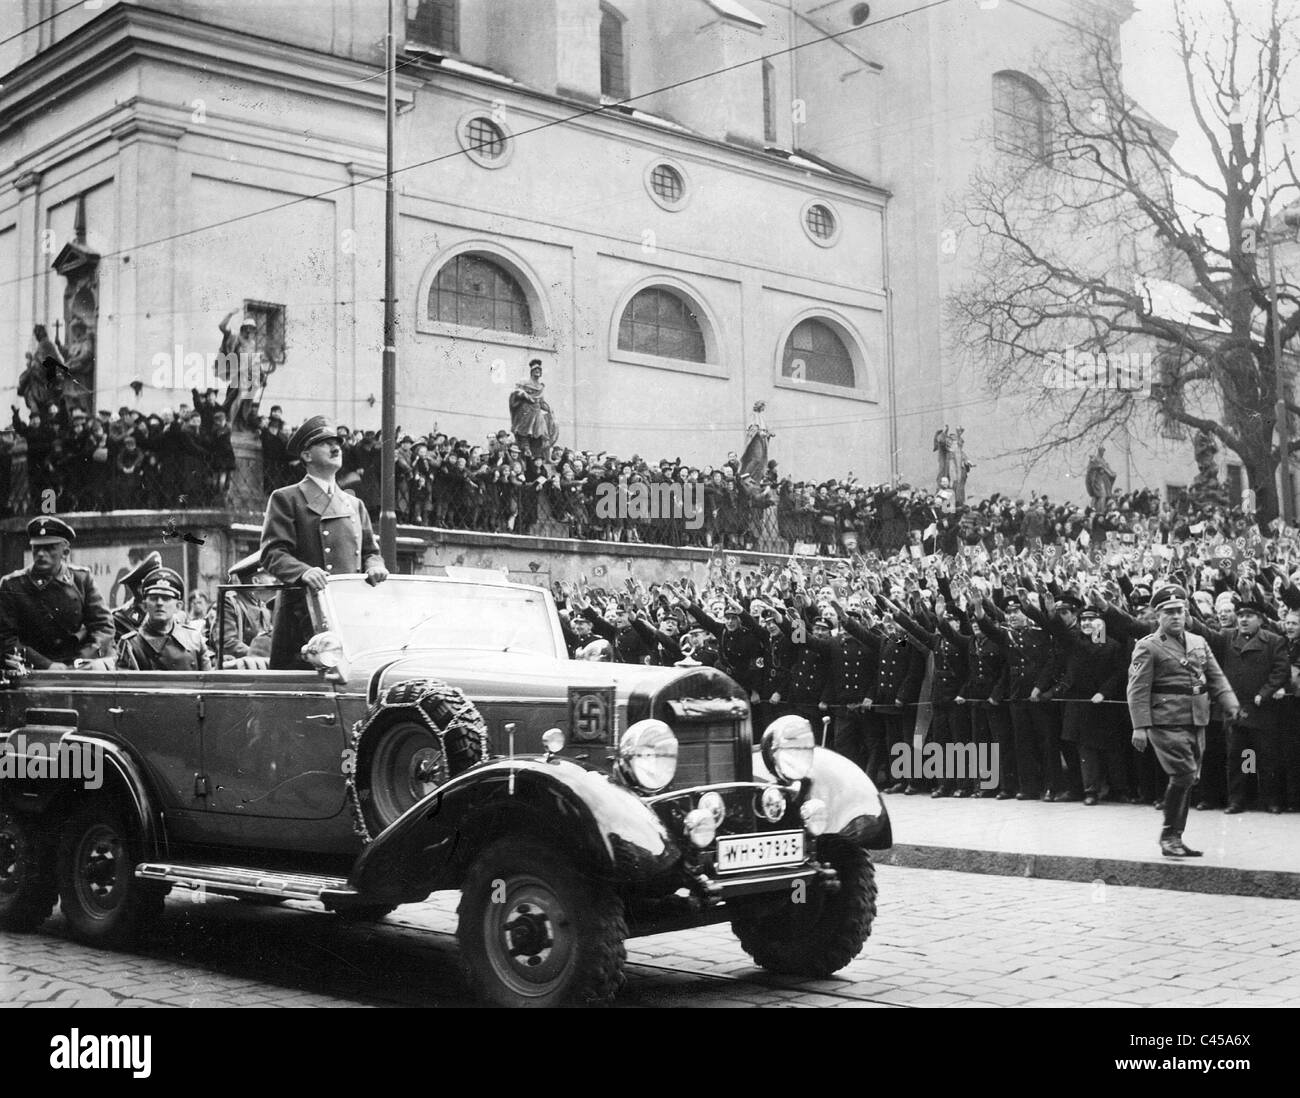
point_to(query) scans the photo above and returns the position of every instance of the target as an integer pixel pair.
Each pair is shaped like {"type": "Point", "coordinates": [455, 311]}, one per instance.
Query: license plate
{"type": "Point", "coordinates": [756, 851]}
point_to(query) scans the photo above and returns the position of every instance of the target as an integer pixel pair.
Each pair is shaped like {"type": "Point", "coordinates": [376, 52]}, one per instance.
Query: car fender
{"type": "Point", "coordinates": [115, 772]}
{"type": "Point", "coordinates": [607, 827]}
{"type": "Point", "coordinates": [854, 807]}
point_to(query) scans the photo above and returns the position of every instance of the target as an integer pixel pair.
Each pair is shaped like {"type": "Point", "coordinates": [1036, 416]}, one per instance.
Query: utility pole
{"type": "Point", "coordinates": [388, 392]}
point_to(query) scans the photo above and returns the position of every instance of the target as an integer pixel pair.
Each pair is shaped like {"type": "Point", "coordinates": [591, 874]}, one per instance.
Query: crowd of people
{"type": "Point", "coordinates": [125, 462]}
{"type": "Point", "coordinates": [1029, 650]}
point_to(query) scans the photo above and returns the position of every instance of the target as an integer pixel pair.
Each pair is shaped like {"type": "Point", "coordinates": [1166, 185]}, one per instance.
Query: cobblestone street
{"type": "Point", "coordinates": [941, 939]}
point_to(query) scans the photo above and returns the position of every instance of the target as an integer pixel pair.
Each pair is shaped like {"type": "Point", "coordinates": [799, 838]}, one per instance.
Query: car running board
{"type": "Point", "coordinates": [243, 880]}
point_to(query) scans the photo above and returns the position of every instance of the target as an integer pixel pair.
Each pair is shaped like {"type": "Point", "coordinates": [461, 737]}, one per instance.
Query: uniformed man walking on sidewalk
{"type": "Point", "coordinates": [1169, 682]}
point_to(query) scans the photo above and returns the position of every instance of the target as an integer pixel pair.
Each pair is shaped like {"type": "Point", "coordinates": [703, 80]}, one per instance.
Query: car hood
{"type": "Point", "coordinates": [479, 672]}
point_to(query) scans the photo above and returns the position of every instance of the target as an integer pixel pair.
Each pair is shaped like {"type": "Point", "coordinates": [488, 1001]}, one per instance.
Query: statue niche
{"type": "Point", "coordinates": [79, 266]}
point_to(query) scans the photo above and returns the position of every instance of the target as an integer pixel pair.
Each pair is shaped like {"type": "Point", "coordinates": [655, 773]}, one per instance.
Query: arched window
{"type": "Point", "coordinates": [433, 23]}
{"type": "Point", "coordinates": [815, 352]}
{"type": "Point", "coordinates": [1020, 116]}
{"type": "Point", "coordinates": [613, 64]}
{"type": "Point", "coordinates": [473, 291]}
{"type": "Point", "coordinates": [662, 322]}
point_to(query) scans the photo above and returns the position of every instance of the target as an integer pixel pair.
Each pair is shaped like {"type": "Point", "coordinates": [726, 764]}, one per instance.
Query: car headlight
{"type": "Point", "coordinates": [772, 803]}
{"type": "Point", "coordinates": [323, 650]}
{"type": "Point", "coordinates": [647, 755]}
{"type": "Point", "coordinates": [700, 827]}
{"type": "Point", "coordinates": [788, 748]}
{"type": "Point", "coordinates": [715, 806]}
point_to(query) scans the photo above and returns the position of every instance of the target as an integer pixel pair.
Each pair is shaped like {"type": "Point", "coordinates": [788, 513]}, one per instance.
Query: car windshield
{"type": "Point", "coordinates": [416, 613]}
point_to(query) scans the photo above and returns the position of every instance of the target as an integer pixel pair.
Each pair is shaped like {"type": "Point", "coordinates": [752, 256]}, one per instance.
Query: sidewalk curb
{"type": "Point", "coordinates": [1176, 875]}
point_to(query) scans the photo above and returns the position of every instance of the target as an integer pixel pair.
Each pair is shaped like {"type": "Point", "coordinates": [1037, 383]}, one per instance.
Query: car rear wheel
{"type": "Point", "coordinates": [823, 935]}
{"type": "Point", "coordinates": [27, 886]}
{"type": "Point", "coordinates": [535, 931]}
{"type": "Point", "coordinates": [101, 898]}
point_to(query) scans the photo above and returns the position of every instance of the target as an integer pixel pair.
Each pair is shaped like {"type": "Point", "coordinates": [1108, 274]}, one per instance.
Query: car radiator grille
{"type": "Point", "coordinates": [706, 753]}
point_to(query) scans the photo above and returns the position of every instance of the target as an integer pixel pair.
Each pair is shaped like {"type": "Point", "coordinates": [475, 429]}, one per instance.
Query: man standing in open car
{"type": "Point", "coordinates": [312, 530]}
{"type": "Point", "coordinates": [1169, 682]}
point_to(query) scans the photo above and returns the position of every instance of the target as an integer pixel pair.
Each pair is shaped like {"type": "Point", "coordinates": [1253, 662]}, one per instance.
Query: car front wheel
{"type": "Point", "coordinates": [101, 898]}
{"type": "Point", "coordinates": [27, 888]}
{"type": "Point", "coordinates": [536, 931]}
{"type": "Point", "coordinates": [824, 934]}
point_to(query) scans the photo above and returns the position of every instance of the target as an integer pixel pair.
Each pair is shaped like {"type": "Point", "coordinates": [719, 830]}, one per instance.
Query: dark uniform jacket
{"type": "Point", "coordinates": [773, 667]}
{"type": "Point", "coordinates": [127, 618]}
{"type": "Point", "coordinates": [666, 651]}
{"type": "Point", "coordinates": [852, 670]}
{"type": "Point", "coordinates": [182, 648]}
{"type": "Point", "coordinates": [900, 668]}
{"type": "Point", "coordinates": [1028, 654]}
{"type": "Point", "coordinates": [629, 646]}
{"type": "Point", "coordinates": [242, 619]}
{"type": "Point", "coordinates": [950, 664]}
{"type": "Point", "coordinates": [810, 671]}
{"type": "Point", "coordinates": [737, 648]}
{"type": "Point", "coordinates": [306, 529]}
{"type": "Point", "coordinates": [56, 621]}
{"type": "Point", "coordinates": [987, 678]}
{"type": "Point", "coordinates": [1257, 665]}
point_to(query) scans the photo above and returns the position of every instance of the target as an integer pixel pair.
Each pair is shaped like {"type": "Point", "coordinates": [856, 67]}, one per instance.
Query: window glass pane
{"type": "Point", "coordinates": [475, 292]}
{"type": "Point", "coordinates": [825, 358]}
{"type": "Point", "coordinates": [658, 322]}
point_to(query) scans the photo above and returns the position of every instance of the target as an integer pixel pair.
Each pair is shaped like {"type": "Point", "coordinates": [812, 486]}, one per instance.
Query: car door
{"type": "Point", "coordinates": [157, 713]}
{"type": "Point", "coordinates": [273, 744]}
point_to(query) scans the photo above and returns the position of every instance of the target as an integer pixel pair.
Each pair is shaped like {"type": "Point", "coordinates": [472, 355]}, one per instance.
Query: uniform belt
{"type": "Point", "coordinates": [1193, 690]}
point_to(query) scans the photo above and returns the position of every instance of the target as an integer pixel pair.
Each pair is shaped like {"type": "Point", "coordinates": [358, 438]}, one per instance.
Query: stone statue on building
{"type": "Point", "coordinates": [1100, 481]}
{"type": "Point", "coordinates": [950, 445]}
{"type": "Point", "coordinates": [1206, 489]}
{"type": "Point", "coordinates": [531, 418]}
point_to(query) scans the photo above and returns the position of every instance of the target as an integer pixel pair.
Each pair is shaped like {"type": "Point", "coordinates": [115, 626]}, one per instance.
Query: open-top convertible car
{"type": "Point", "coordinates": [442, 741]}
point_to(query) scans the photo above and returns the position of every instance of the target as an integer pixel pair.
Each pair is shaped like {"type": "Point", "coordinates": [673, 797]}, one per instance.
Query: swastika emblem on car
{"type": "Point", "coordinates": [591, 714]}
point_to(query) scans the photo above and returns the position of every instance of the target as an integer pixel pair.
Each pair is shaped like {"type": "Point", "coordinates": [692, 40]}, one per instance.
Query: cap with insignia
{"type": "Point", "coordinates": [243, 570]}
{"type": "Point", "coordinates": [48, 530]}
{"type": "Point", "coordinates": [1091, 613]}
{"type": "Point", "coordinates": [1252, 607]}
{"type": "Point", "coordinates": [163, 581]}
{"type": "Point", "coordinates": [135, 577]}
{"type": "Point", "coordinates": [1070, 602]}
{"type": "Point", "coordinates": [1012, 602]}
{"type": "Point", "coordinates": [1139, 596]}
{"type": "Point", "coordinates": [1169, 597]}
{"type": "Point", "coordinates": [317, 429]}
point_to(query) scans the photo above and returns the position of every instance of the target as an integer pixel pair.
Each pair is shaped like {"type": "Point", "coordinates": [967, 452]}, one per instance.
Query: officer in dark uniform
{"type": "Point", "coordinates": [739, 642]}
{"type": "Point", "coordinates": [810, 673]}
{"type": "Point", "coordinates": [900, 671]}
{"type": "Point", "coordinates": [245, 630]}
{"type": "Point", "coordinates": [1169, 682]}
{"type": "Point", "coordinates": [628, 645]}
{"type": "Point", "coordinates": [163, 643]}
{"type": "Point", "coordinates": [51, 615]}
{"type": "Point", "coordinates": [128, 617]}
{"type": "Point", "coordinates": [982, 694]}
{"type": "Point", "coordinates": [1060, 755]}
{"type": "Point", "coordinates": [1027, 652]}
{"type": "Point", "coordinates": [852, 678]}
{"type": "Point", "coordinates": [772, 667]}
{"type": "Point", "coordinates": [951, 669]}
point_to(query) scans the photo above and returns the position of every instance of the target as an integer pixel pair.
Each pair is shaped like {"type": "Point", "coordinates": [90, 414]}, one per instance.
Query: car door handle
{"type": "Point", "coordinates": [117, 711]}
{"type": "Point", "coordinates": [325, 717]}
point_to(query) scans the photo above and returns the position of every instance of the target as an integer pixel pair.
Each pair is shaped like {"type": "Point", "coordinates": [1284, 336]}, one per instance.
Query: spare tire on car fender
{"type": "Point", "coordinates": [419, 734]}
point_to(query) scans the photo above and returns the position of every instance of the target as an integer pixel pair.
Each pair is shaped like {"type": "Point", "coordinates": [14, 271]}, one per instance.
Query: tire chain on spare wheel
{"type": "Point", "coordinates": [454, 719]}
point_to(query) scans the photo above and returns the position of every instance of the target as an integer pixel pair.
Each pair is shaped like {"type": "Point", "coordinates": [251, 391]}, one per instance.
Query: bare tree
{"type": "Point", "coordinates": [1072, 234]}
